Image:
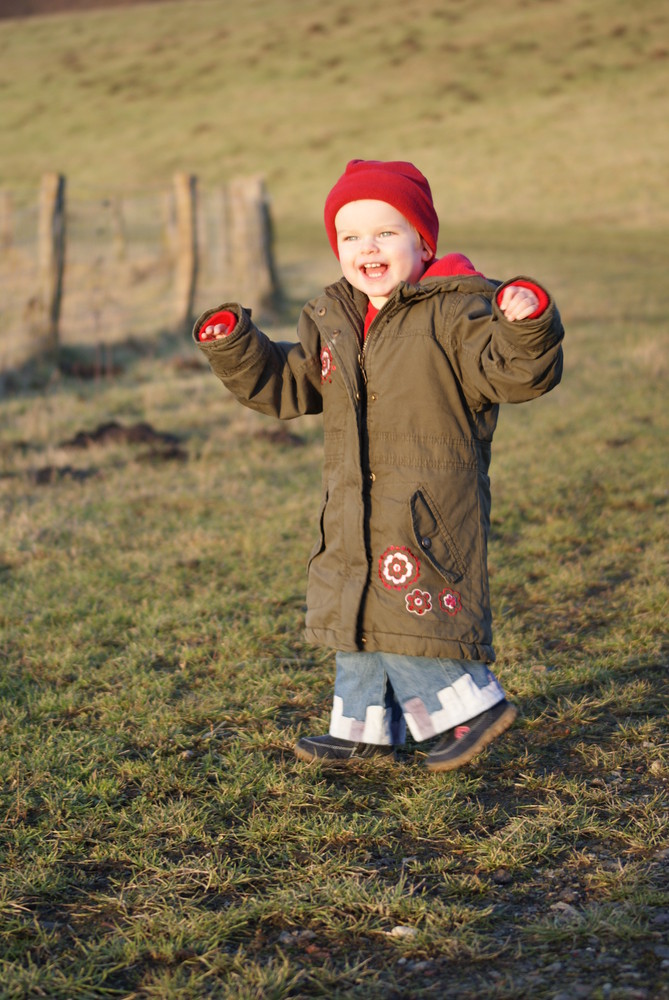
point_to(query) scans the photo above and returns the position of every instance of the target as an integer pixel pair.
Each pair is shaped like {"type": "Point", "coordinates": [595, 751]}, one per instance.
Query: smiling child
{"type": "Point", "coordinates": [408, 356]}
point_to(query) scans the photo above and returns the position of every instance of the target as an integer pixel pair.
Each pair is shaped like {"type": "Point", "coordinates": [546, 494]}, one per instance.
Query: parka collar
{"type": "Point", "coordinates": [470, 284]}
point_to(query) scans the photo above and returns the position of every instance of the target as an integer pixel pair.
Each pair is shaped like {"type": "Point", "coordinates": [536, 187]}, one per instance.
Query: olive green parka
{"type": "Point", "coordinates": [400, 561]}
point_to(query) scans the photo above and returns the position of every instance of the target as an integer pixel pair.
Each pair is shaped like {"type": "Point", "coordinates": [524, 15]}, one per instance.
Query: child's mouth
{"type": "Point", "coordinates": [374, 270]}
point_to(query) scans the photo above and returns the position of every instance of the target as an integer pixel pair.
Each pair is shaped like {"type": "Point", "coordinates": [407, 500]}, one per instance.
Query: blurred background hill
{"type": "Point", "coordinates": [541, 112]}
{"type": "Point", "coordinates": [536, 123]}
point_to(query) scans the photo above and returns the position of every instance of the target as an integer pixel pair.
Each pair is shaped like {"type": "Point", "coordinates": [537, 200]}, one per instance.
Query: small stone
{"type": "Point", "coordinates": [402, 931]}
{"type": "Point", "coordinates": [502, 877]}
{"type": "Point", "coordinates": [567, 910]}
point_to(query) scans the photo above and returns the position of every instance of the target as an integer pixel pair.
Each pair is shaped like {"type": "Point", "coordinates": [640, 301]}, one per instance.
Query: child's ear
{"type": "Point", "coordinates": [426, 253]}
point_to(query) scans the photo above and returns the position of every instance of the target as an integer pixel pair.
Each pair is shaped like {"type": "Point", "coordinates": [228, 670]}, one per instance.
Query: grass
{"type": "Point", "coordinates": [160, 840]}
{"type": "Point", "coordinates": [157, 837]}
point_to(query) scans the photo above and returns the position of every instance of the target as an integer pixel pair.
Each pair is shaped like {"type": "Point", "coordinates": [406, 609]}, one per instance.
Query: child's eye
{"type": "Point", "coordinates": [387, 232]}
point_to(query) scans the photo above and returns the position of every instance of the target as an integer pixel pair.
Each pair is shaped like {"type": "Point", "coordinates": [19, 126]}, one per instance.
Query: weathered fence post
{"type": "Point", "coordinates": [186, 250]}
{"type": "Point", "coordinates": [254, 275]}
{"type": "Point", "coordinates": [51, 255]}
{"type": "Point", "coordinates": [118, 228]}
{"type": "Point", "coordinates": [222, 264]}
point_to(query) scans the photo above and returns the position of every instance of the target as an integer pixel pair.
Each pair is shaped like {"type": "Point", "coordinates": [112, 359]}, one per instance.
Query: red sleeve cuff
{"type": "Point", "coordinates": [540, 293]}
{"type": "Point", "coordinates": [224, 318]}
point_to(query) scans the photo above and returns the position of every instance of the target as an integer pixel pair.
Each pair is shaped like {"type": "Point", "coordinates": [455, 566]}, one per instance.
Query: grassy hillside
{"type": "Point", "coordinates": [544, 111]}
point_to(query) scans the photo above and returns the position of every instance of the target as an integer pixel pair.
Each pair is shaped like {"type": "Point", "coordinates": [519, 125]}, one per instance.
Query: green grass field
{"type": "Point", "coordinates": [158, 839]}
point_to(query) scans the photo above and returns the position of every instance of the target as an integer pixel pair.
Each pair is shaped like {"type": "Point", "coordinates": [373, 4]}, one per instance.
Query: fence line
{"type": "Point", "coordinates": [98, 270]}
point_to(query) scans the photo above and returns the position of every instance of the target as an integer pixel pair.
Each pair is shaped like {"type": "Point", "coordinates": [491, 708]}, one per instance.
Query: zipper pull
{"type": "Point", "coordinates": [361, 361]}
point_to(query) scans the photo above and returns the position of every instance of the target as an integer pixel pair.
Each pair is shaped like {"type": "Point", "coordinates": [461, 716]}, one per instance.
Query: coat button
{"type": "Point", "coordinates": [373, 396]}
{"type": "Point", "coordinates": [426, 543]}
{"type": "Point", "coordinates": [322, 311]}
{"type": "Point", "coordinates": [372, 477]}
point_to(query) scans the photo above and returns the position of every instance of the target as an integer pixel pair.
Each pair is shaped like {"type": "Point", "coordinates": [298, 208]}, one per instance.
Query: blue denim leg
{"type": "Point", "coordinates": [364, 707]}
{"type": "Point", "coordinates": [437, 694]}
{"type": "Point", "coordinates": [374, 690]}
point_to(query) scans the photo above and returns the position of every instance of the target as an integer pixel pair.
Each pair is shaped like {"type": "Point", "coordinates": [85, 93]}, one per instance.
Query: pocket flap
{"type": "Point", "coordinates": [434, 538]}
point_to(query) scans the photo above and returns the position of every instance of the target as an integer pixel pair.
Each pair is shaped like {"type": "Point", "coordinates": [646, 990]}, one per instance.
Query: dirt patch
{"type": "Point", "coordinates": [163, 447]}
{"type": "Point", "coordinates": [115, 433]}
{"type": "Point", "coordinates": [49, 474]}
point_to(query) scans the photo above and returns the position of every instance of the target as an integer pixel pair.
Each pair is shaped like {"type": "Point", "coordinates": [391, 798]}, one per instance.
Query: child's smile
{"type": "Point", "coordinates": [378, 248]}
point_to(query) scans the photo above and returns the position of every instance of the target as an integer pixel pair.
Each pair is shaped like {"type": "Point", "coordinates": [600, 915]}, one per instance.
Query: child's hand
{"type": "Point", "coordinates": [220, 325]}
{"type": "Point", "coordinates": [517, 302]}
{"type": "Point", "coordinates": [216, 332]}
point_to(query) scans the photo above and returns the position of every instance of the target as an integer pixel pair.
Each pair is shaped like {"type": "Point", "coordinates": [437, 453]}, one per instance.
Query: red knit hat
{"type": "Point", "coordinates": [396, 182]}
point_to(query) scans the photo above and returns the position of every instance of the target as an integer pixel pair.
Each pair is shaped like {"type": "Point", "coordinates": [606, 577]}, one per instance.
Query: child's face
{"type": "Point", "coordinates": [378, 248]}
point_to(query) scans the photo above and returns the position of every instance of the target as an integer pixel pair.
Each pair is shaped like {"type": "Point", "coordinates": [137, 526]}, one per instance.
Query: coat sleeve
{"type": "Point", "coordinates": [498, 361]}
{"type": "Point", "coordinates": [279, 379]}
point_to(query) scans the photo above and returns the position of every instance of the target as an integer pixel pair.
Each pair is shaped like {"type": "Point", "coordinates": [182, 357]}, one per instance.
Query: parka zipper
{"type": "Point", "coordinates": [354, 316]}
{"type": "Point", "coordinates": [361, 355]}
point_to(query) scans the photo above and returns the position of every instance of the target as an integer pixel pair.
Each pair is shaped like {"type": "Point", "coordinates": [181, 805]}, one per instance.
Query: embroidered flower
{"type": "Point", "coordinates": [398, 568]}
{"type": "Point", "coordinates": [327, 365]}
{"type": "Point", "coordinates": [418, 602]}
{"type": "Point", "coordinates": [449, 601]}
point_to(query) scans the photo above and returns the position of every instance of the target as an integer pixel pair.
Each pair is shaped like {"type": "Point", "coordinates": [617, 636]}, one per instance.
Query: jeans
{"type": "Point", "coordinates": [378, 694]}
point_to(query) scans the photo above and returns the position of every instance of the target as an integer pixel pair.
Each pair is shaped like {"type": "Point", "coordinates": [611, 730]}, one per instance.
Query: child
{"type": "Point", "coordinates": [408, 357]}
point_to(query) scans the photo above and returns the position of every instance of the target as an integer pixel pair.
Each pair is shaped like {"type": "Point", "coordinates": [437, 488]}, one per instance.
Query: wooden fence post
{"type": "Point", "coordinates": [254, 275]}
{"type": "Point", "coordinates": [51, 256]}
{"type": "Point", "coordinates": [222, 264]}
{"type": "Point", "coordinates": [118, 228]}
{"type": "Point", "coordinates": [186, 251]}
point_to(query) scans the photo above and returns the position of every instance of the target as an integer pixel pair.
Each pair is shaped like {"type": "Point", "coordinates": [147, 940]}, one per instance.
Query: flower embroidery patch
{"type": "Point", "coordinates": [398, 568]}
{"type": "Point", "coordinates": [418, 602]}
{"type": "Point", "coordinates": [327, 365]}
{"type": "Point", "coordinates": [449, 601]}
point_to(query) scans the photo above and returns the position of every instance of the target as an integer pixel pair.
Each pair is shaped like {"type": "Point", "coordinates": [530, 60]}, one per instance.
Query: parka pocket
{"type": "Point", "coordinates": [435, 540]}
